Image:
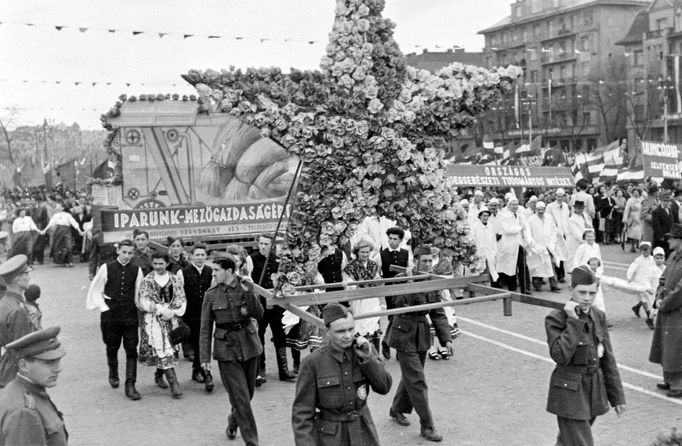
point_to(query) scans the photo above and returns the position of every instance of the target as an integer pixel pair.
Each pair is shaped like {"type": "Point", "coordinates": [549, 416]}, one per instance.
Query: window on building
{"type": "Point", "coordinates": [587, 118]}
{"type": "Point", "coordinates": [562, 48]}
{"type": "Point", "coordinates": [661, 23]}
{"type": "Point", "coordinates": [585, 68]}
{"type": "Point", "coordinates": [533, 54]}
{"type": "Point", "coordinates": [585, 43]}
{"type": "Point", "coordinates": [518, 11]}
{"type": "Point", "coordinates": [524, 34]}
{"type": "Point", "coordinates": [588, 18]}
{"type": "Point", "coordinates": [573, 70]}
{"type": "Point", "coordinates": [564, 119]}
{"type": "Point", "coordinates": [585, 92]}
{"type": "Point", "coordinates": [564, 72]}
{"type": "Point", "coordinates": [533, 76]}
{"type": "Point", "coordinates": [536, 30]}
{"type": "Point", "coordinates": [638, 58]}
{"type": "Point", "coordinates": [561, 23]}
{"type": "Point", "coordinates": [639, 112]}
{"type": "Point", "coordinates": [550, 73]}
{"type": "Point", "coordinates": [572, 22]}
{"type": "Point", "coordinates": [550, 27]}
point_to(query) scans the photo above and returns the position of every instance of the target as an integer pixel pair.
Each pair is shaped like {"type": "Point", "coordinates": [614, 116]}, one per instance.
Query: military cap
{"type": "Point", "coordinates": [42, 344]}
{"type": "Point", "coordinates": [4, 235]}
{"type": "Point", "coordinates": [14, 265]}
{"type": "Point", "coordinates": [582, 275]}
{"type": "Point", "coordinates": [333, 312]}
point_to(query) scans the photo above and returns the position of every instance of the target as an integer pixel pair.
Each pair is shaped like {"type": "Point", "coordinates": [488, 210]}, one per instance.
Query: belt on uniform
{"type": "Point", "coordinates": [413, 314]}
{"type": "Point", "coordinates": [232, 327]}
{"type": "Point", "coordinates": [344, 417]}
{"type": "Point", "coordinates": [585, 370]}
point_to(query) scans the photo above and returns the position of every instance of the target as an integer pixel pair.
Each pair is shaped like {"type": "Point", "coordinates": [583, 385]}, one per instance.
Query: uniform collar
{"type": "Point", "coordinates": [339, 354]}
{"type": "Point", "coordinates": [31, 386]}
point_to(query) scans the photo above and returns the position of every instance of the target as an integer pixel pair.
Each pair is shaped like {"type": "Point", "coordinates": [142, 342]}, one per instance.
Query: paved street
{"type": "Point", "coordinates": [493, 392]}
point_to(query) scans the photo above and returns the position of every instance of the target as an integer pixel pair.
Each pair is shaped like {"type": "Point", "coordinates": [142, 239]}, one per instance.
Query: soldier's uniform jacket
{"type": "Point", "coordinates": [15, 322]}
{"type": "Point", "coordinates": [409, 332]}
{"type": "Point", "coordinates": [233, 311]}
{"type": "Point", "coordinates": [666, 344]}
{"type": "Point", "coordinates": [143, 259]}
{"type": "Point", "coordinates": [28, 417]}
{"type": "Point", "coordinates": [582, 384]}
{"type": "Point", "coordinates": [330, 407]}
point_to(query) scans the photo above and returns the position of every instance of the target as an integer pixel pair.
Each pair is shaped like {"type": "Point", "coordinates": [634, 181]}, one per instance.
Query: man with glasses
{"type": "Point", "coordinates": [15, 321]}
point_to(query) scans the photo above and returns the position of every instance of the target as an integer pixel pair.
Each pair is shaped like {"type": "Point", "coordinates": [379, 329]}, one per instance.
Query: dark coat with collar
{"type": "Point", "coordinates": [582, 385]}
{"type": "Point", "coordinates": [662, 221]}
{"type": "Point", "coordinates": [29, 417]}
{"type": "Point", "coordinates": [330, 406]}
{"type": "Point", "coordinates": [666, 345]}
{"type": "Point", "coordinates": [15, 322]}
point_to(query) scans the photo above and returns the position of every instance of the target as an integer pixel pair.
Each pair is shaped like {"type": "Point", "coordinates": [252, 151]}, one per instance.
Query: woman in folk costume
{"type": "Point", "coordinates": [578, 222]}
{"type": "Point", "coordinates": [62, 242]}
{"type": "Point", "coordinates": [483, 234]}
{"type": "Point", "coordinates": [162, 301]}
{"type": "Point", "coordinates": [543, 229]}
{"type": "Point", "coordinates": [359, 269]}
{"type": "Point", "coordinates": [511, 261]}
{"type": "Point", "coordinates": [22, 235]}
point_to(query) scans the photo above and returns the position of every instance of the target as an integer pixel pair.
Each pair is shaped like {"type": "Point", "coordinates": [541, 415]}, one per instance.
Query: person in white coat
{"type": "Point", "coordinates": [543, 230]}
{"type": "Point", "coordinates": [577, 223]}
{"type": "Point", "coordinates": [640, 274]}
{"type": "Point", "coordinates": [560, 212]}
{"type": "Point", "coordinates": [476, 205]}
{"type": "Point", "coordinates": [484, 238]}
{"type": "Point", "coordinates": [511, 254]}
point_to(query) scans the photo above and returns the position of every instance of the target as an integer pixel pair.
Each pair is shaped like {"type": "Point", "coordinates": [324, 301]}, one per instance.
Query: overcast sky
{"type": "Point", "coordinates": [41, 53]}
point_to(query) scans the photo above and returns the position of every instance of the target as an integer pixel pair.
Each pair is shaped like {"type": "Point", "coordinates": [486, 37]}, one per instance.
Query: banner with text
{"type": "Point", "coordinates": [510, 176]}
{"type": "Point", "coordinates": [195, 221]}
{"type": "Point", "coordinates": [661, 160]}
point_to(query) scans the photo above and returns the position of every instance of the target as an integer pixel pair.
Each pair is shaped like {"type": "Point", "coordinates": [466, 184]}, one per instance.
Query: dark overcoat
{"type": "Point", "coordinates": [666, 345]}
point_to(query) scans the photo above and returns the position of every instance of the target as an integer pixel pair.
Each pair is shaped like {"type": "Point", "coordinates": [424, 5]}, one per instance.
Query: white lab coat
{"type": "Point", "coordinates": [515, 233]}
{"type": "Point", "coordinates": [574, 237]}
{"type": "Point", "coordinates": [486, 245]}
{"type": "Point", "coordinates": [544, 234]}
{"type": "Point", "coordinates": [560, 215]}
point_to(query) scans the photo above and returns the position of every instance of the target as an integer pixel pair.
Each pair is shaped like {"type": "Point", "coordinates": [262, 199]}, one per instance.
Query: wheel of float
{"type": "Point", "coordinates": [150, 203]}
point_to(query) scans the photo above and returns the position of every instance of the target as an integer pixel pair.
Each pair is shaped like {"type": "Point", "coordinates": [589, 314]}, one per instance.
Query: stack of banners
{"type": "Point", "coordinates": [661, 160]}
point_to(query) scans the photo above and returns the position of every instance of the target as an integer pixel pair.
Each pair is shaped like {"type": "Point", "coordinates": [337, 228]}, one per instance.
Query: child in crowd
{"type": "Point", "coordinates": [32, 294]}
{"type": "Point", "coordinates": [640, 274]}
{"type": "Point", "coordinates": [659, 261]}
{"type": "Point", "coordinates": [445, 267]}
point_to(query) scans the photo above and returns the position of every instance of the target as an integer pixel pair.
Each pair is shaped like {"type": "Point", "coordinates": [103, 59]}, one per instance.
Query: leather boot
{"type": "Point", "coordinates": [131, 377]}
{"type": "Point", "coordinates": [208, 380]}
{"type": "Point", "coordinates": [158, 379]}
{"type": "Point", "coordinates": [284, 373]}
{"type": "Point", "coordinates": [173, 382]}
{"type": "Point", "coordinates": [296, 358]}
{"type": "Point", "coordinates": [113, 374]}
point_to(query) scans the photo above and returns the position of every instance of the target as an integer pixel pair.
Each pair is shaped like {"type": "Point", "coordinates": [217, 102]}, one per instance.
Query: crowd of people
{"type": "Point", "coordinates": [190, 301]}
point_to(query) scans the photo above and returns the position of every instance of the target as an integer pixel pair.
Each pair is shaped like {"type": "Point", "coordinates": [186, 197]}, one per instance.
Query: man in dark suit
{"type": "Point", "coordinates": [196, 278]}
{"type": "Point", "coordinates": [662, 220]}
{"type": "Point", "coordinates": [393, 255]}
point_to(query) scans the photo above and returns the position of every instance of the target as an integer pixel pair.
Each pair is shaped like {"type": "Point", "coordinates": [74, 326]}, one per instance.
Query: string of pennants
{"type": "Point", "coordinates": [92, 83]}
{"type": "Point", "coordinates": [161, 34]}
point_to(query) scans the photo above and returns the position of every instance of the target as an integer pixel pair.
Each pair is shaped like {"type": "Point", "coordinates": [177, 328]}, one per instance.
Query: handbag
{"type": "Point", "coordinates": [180, 333]}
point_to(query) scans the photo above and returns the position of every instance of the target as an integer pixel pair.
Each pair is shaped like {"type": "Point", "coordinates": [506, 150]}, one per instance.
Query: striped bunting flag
{"type": "Point", "coordinates": [636, 174]}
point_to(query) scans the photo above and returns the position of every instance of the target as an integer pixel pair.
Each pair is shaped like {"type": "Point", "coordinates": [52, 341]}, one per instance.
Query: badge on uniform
{"type": "Point", "coordinates": [362, 392]}
{"type": "Point", "coordinates": [600, 350]}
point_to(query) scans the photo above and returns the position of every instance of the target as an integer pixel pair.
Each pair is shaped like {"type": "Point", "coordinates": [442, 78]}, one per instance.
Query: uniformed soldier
{"type": "Point", "coordinates": [409, 334]}
{"type": "Point", "coordinates": [15, 320]}
{"type": "Point", "coordinates": [28, 417]}
{"type": "Point", "coordinates": [330, 407]}
{"type": "Point", "coordinates": [234, 308]}
{"type": "Point", "coordinates": [585, 379]}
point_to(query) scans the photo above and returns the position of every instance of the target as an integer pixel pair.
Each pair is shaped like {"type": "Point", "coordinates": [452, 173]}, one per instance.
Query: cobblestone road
{"type": "Point", "coordinates": [493, 392]}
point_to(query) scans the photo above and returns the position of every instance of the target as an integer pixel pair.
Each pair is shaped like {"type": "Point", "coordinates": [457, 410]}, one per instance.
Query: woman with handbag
{"type": "Point", "coordinates": [161, 299]}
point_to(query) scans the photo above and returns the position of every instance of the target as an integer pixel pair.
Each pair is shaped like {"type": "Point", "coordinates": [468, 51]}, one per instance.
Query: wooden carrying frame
{"type": "Point", "coordinates": [399, 286]}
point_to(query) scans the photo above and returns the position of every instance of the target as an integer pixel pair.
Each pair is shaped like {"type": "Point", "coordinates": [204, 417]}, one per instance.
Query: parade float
{"type": "Point", "coordinates": [363, 136]}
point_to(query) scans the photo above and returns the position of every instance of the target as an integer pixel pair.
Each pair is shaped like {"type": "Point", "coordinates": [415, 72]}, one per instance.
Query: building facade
{"type": "Point", "coordinates": [572, 69]}
{"type": "Point", "coordinates": [654, 46]}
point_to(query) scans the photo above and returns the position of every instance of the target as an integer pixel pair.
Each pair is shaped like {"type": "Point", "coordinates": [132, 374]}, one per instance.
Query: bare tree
{"type": "Point", "coordinates": [5, 123]}
{"type": "Point", "coordinates": [608, 96]}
